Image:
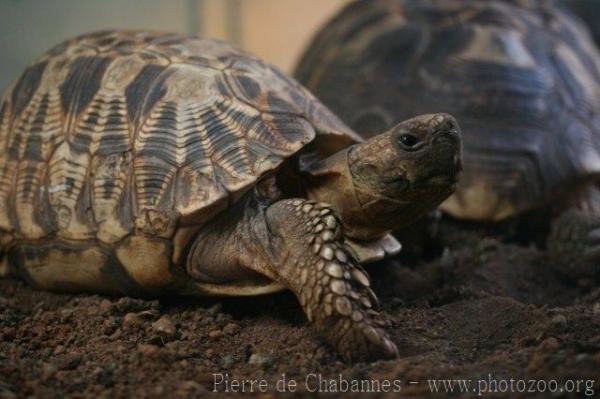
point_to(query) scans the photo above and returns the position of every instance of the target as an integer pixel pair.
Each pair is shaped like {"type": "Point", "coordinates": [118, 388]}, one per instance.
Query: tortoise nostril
{"type": "Point", "coordinates": [449, 126]}
{"type": "Point", "coordinates": [408, 140]}
{"type": "Point", "coordinates": [452, 126]}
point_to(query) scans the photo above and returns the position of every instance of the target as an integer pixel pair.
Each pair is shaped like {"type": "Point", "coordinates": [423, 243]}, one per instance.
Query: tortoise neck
{"type": "Point", "coordinates": [330, 181]}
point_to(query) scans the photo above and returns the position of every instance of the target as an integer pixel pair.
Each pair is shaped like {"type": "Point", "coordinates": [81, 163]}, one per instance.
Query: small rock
{"type": "Point", "coordinates": [221, 317]}
{"type": "Point", "coordinates": [174, 347]}
{"type": "Point", "coordinates": [559, 320]}
{"type": "Point", "coordinates": [65, 315]}
{"type": "Point", "coordinates": [146, 349]}
{"type": "Point", "coordinates": [157, 339]}
{"type": "Point", "coordinates": [105, 306]}
{"type": "Point", "coordinates": [397, 302]}
{"type": "Point", "coordinates": [131, 320]}
{"type": "Point", "coordinates": [227, 361]}
{"type": "Point", "coordinates": [150, 314]}
{"type": "Point", "coordinates": [9, 334]}
{"type": "Point", "coordinates": [596, 308]}
{"type": "Point", "coordinates": [159, 391]}
{"type": "Point", "coordinates": [59, 350]}
{"type": "Point", "coordinates": [262, 360]}
{"type": "Point", "coordinates": [48, 370]}
{"type": "Point", "coordinates": [231, 329]}
{"type": "Point", "coordinates": [110, 325]}
{"type": "Point", "coordinates": [122, 349]}
{"type": "Point", "coordinates": [187, 386]}
{"type": "Point", "coordinates": [582, 357]}
{"type": "Point", "coordinates": [106, 376]}
{"type": "Point", "coordinates": [165, 327]}
{"type": "Point", "coordinates": [549, 344]}
{"type": "Point", "coordinates": [125, 303]}
{"type": "Point", "coordinates": [116, 335]}
{"type": "Point", "coordinates": [209, 353]}
{"type": "Point", "coordinates": [447, 260]}
{"type": "Point", "coordinates": [216, 308]}
{"type": "Point", "coordinates": [215, 334]}
{"type": "Point", "coordinates": [135, 305]}
{"type": "Point", "coordinates": [487, 244]}
{"type": "Point", "coordinates": [67, 362]}
{"type": "Point", "coordinates": [186, 335]}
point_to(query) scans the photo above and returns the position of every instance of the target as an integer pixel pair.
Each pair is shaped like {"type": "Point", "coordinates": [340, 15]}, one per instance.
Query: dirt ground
{"type": "Point", "coordinates": [485, 310]}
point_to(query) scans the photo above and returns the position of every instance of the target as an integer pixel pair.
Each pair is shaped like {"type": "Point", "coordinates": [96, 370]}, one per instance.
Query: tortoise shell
{"type": "Point", "coordinates": [589, 12]}
{"type": "Point", "coordinates": [118, 133]}
{"type": "Point", "coordinates": [522, 77]}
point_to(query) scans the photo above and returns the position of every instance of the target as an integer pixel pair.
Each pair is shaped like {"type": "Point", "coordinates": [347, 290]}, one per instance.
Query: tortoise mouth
{"type": "Point", "coordinates": [439, 185]}
{"type": "Point", "coordinates": [443, 164]}
{"type": "Point", "coordinates": [396, 184]}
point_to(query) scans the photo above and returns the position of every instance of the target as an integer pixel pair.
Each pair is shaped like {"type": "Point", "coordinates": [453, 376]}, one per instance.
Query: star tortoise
{"type": "Point", "coordinates": [148, 164]}
{"type": "Point", "coordinates": [523, 79]}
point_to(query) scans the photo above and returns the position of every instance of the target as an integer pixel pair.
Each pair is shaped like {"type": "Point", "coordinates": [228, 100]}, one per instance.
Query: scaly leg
{"type": "Point", "coordinates": [302, 247]}
{"type": "Point", "coordinates": [574, 240]}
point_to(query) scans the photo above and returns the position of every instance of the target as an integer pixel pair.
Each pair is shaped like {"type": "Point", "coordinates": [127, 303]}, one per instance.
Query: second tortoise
{"type": "Point", "coordinates": [523, 79]}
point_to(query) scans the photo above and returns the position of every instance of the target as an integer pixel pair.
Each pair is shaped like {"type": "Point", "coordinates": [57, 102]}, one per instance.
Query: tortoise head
{"type": "Point", "coordinates": [393, 178]}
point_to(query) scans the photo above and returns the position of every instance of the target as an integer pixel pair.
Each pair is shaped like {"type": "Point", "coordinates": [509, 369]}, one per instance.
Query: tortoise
{"type": "Point", "coordinates": [152, 164]}
{"type": "Point", "coordinates": [523, 79]}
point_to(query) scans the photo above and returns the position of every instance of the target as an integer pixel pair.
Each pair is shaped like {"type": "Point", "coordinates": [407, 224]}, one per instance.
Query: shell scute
{"type": "Point", "coordinates": [116, 132]}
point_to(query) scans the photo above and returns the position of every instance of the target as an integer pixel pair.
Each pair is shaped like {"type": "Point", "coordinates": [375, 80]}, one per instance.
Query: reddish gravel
{"type": "Point", "coordinates": [484, 309]}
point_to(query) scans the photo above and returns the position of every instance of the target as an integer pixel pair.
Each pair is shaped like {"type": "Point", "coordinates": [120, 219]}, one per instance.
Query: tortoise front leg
{"type": "Point", "coordinates": [574, 244]}
{"type": "Point", "coordinates": [574, 240]}
{"type": "Point", "coordinates": [303, 248]}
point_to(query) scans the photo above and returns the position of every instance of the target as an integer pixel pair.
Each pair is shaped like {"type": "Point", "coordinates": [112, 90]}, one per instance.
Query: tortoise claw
{"type": "Point", "coordinates": [331, 286]}
{"type": "Point", "coordinates": [362, 341]}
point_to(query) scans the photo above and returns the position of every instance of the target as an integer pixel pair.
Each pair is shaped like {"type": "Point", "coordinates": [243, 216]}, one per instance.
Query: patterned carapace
{"type": "Point", "coordinates": [116, 131]}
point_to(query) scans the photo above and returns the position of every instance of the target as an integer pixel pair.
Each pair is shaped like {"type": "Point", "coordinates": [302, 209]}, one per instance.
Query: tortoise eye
{"type": "Point", "coordinates": [408, 140]}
